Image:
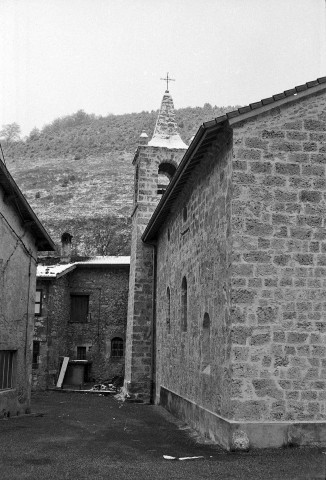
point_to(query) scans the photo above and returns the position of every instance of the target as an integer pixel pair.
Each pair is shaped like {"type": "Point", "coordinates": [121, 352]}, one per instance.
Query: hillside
{"type": "Point", "coordinates": [77, 175]}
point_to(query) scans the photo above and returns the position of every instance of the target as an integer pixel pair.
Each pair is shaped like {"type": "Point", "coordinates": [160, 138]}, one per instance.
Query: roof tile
{"type": "Point", "coordinates": [222, 118]}
{"type": "Point", "coordinates": [289, 93]}
{"type": "Point", "coordinates": [255, 105]}
{"type": "Point", "coordinates": [301, 88]}
{"type": "Point", "coordinates": [313, 83]}
{"type": "Point", "coordinates": [279, 96]}
{"type": "Point", "coordinates": [267, 101]}
{"type": "Point", "coordinates": [245, 109]}
{"type": "Point", "coordinates": [233, 114]}
{"type": "Point", "coordinates": [321, 80]}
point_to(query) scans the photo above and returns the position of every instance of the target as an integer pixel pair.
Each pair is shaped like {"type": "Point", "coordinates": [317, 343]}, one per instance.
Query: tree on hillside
{"type": "Point", "coordinates": [10, 132]}
{"type": "Point", "coordinates": [34, 134]}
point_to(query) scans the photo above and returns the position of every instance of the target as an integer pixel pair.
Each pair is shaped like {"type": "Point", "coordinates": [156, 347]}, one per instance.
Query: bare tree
{"type": "Point", "coordinates": [10, 132]}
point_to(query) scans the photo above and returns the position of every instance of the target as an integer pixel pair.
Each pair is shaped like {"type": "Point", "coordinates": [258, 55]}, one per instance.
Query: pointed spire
{"type": "Point", "coordinates": [166, 132]}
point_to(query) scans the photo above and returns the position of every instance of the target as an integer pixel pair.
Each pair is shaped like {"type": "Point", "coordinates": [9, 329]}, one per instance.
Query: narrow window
{"type": "Point", "coordinates": [116, 347]}
{"type": "Point", "coordinates": [38, 303]}
{"type": "Point", "coordinates": [6, 369]}
{"type": "Point", "coordinates": [206, 344]}
{"type": "Point", "coordinates": [79, 308]}
{"type": "Point", "coordinates": [168, 310]}
{"type": "Point", "coordinates": [184, 214]}
{"type": "Point", "coordinates": [136, 184]}
{"type": "Point", "coordinates": [184, 305]}
{"type": "Point", "coordinates": [81, 353]}
{"type": "Point", "coordinates": [36, 354]}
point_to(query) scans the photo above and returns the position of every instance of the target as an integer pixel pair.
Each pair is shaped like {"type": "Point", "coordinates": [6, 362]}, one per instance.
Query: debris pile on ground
{"type": "Point", "coordinates": [104, 387]}
{"type": "Point", "coordinates": [114, 386]}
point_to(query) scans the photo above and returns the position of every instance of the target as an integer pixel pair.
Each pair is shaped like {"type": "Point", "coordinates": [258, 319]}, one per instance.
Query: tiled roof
{"type": "Point", "coordinates": [57, 271]}
{"type": "Point", "coordinates": [54, 271]}
{"type": "Point", "coordinates": [270, 100]}
{"type": "Point", "coordinates": [204, 137]}
{"type": "Point", "coordinates": [106, 260]}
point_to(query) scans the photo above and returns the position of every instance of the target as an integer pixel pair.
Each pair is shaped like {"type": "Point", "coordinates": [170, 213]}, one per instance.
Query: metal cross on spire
{"type": "Point", "coordinates": [167, 80]}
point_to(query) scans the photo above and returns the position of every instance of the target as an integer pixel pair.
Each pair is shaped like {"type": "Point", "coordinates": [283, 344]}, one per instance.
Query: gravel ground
{"type": "Point", "coordinates": [76, 436]}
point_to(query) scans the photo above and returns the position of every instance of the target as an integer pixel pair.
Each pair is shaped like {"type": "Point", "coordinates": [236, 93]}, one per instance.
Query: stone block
{"type": "Point", "coordinates": [310, 196]}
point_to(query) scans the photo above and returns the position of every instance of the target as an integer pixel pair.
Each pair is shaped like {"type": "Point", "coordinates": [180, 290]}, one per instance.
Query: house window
{"type": "Point", "coordinates": [36, 354]}
{"type": "Point", "coordinates": [206, 344]}
{"type": "Point", "coordinates": [184, 305]}
{"type": "Point", "coordinates": [79, 308]}
{"type": "Point", "coordinates": [38, 303]}
{"type": "Point", "coordinates": [81, 353]}
{"type": "Point", "coordinates": [6, 369]}
{"type": "Point", "coordinates": [168, 310]}
{"type": "Point", "coordinates": [117, 347]}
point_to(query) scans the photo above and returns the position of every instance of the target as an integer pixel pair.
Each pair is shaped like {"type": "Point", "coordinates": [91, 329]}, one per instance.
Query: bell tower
{"type": "Point", "coordinates": [155, 162]}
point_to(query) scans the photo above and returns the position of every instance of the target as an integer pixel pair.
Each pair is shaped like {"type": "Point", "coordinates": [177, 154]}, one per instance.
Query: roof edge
{"type": "Point", "coordinates": [190, 152]}
{"type": "Point", "coordinates": [45, 240]}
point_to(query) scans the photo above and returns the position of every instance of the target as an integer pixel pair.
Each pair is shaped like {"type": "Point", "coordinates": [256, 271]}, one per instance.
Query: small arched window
{"type": "Point", "coordinates": [168, 310]}
{"type": "Point", "coordinates": [184, 214]}
{"type": "Point", "coordinates": [116, 347]}
{"type": "Point", "coordinates": [166, 171]}
{"type": "Point", "coordinates": [206, 344]}
{"type": "Point", "coordinates": [184, 305]}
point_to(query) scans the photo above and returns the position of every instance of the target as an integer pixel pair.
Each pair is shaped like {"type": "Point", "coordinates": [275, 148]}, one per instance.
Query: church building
{"type": "Point", "coordinates": [227, 312]}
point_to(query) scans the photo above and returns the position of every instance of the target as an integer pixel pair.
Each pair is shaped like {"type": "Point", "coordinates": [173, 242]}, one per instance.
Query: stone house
{"type": "Point", "coordinates": [81, 313]}
{"type": "Point", "coordinates": [227, 313]}
{"type": "Point", "coordinates": [21, 237]}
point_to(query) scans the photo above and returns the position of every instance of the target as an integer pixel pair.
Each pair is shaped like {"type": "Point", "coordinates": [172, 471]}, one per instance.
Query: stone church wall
{"type": "Point", "coordinates": [139, 344]}
{"type": "Point", "coordinates": [279, 265]}
{"type": "Point", "coordinates": [198, 248]}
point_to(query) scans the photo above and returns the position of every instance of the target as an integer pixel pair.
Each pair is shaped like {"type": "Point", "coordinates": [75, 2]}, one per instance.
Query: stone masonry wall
{"type": "Point", "coordinates": [279, 264]}
{"type": "Point", "coordinates": [198, 249]}
{"type": "Point", "coordinates": [17, 287]}
{"type": "Point", "coordinates": [139, 344]}
{"type": "Point", "coordinates": [108, 295]}
{"type": "Point", "coordinates": [50, 329]}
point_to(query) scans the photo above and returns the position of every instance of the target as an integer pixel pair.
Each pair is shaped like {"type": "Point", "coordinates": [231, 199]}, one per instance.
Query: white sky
{"type": "Point", "coordinates": [107, 56]}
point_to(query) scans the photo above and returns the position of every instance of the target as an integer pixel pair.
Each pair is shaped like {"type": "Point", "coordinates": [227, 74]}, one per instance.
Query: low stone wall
{"type": "Point", "coordinates": [233, 435]}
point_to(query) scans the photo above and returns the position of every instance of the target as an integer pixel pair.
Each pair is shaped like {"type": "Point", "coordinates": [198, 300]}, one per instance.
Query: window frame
{"type": "Point", "coordinates": [7, 383]}
{"type": "Point", "coordinates": [73, 314]}
{"type": "Point", "coordinates": [168, 309]}
{"type": "Point", "coordinates": [184, 305]}
{"type": "Point", "coordinates": [206, 344]}
{"type": "Point", "coordinates": [81, 355]}
{"type": "Point", "coordinates": [40, 291]}
{"type": "Point", "coordinates": [119, 349]}
{"type": "Point", "coordinates": [36, 353]}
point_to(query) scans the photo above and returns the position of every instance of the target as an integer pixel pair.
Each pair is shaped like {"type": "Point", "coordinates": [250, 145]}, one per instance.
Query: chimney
{"type": "Point", "coordinates": [143, 139]}
{"type": "Point", "coordinates": [65, 247]}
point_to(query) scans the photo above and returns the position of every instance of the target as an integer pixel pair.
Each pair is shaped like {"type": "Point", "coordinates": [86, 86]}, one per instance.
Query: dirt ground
{"type": "Point", "coordinates": [76, 436]}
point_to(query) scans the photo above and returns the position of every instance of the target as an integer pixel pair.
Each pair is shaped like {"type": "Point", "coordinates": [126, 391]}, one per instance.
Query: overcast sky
{"type": "Point", "coordinates": [107, 56]}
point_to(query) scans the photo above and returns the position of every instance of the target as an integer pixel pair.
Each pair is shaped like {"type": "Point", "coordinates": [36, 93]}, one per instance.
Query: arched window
{"type": "Point", "coordinates": [184, 214]}
{"type": "Point", "coordinates": [116, 347]}
{"type": "Point", "coordinates": [166, 171]}
{"type": "Point", "coordinates": [184, 305]}
{"type": "Point", "coordinates": [168, 310]}
{"type": "Point", "coordinates": [206, 344]}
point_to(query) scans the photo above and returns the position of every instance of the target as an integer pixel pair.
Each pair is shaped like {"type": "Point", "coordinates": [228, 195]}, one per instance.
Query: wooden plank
{"type": "Point", "coordinates": [62, 371]}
